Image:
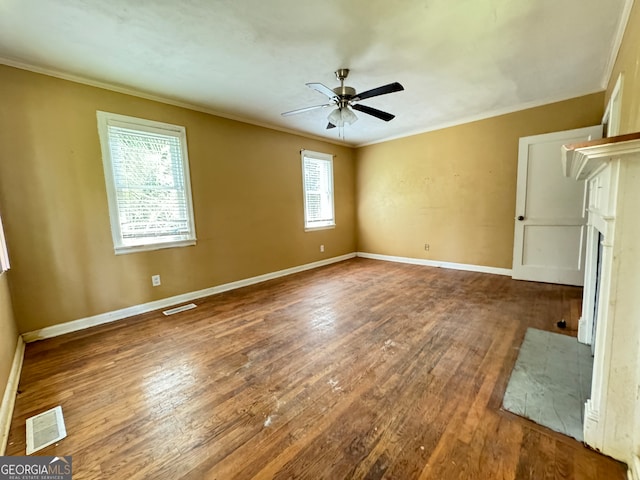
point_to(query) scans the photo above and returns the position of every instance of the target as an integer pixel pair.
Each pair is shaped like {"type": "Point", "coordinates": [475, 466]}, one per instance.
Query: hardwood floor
{"type": "Point", "coordinates": [362, 369]}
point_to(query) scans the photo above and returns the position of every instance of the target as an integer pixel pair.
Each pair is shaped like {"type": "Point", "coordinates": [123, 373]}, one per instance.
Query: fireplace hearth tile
{"type": "Point", "coordinates": [551, 381]}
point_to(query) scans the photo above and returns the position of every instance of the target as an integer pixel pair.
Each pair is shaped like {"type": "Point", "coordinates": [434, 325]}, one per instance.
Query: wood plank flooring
{"type": "Point", "coordinates": [362, 369]}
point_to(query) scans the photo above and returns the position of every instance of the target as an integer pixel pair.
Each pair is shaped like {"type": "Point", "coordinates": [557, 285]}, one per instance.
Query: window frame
{"type": "Point", "coordinates": [322, 157]}
{"type": "Point", "coordinates": [107, 119]}
{"type": "Point", "coordinates": [5, 265]}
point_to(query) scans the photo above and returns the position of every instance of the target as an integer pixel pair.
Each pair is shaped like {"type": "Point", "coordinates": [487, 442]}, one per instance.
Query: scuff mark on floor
{"type": "Point", "coordinates": [334, 385]}
{"type": "Point", "coordinates": [388, 345]}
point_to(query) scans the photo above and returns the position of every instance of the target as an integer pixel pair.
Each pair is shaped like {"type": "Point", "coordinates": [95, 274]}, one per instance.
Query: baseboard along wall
{"type": "Point", "coordinates": [435, 263]}
{"type": "Point", "coordinates": [80, 324]}
{"type": "Point", "coordinates": [634, 469]}
{"type": "Point", "coordinates": [9, 397]}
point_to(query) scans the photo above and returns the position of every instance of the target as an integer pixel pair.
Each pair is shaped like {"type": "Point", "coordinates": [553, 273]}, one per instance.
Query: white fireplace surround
{"type": "Point", "coordinates": [612, 173]}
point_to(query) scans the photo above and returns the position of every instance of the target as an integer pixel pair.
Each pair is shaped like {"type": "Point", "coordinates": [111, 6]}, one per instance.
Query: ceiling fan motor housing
{"type": "Point", "coordinates": [343, 92]}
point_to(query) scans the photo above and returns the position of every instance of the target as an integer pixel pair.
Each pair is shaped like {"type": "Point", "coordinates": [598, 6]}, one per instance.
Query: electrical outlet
{"type": "Point", "coordinates": [426, 247]}
{"type": "Point", "coordinates": [155, 280]}
{"type": "Point", "coordinates": [322, 248]}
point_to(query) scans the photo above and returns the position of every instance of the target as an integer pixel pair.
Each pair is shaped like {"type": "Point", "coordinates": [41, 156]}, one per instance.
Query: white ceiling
{"type": "Point", "coordinates": [250, 59]}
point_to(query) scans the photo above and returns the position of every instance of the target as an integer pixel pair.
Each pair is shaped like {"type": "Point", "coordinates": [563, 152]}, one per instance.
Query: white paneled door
{"type": "Point", "coordinates": [549, 237]}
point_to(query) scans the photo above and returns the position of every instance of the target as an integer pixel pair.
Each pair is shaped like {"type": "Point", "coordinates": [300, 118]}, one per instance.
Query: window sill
{"type": "Point", "coordinates": [122, 250]}
{"type": "Point", "coordinates": [325, 227]}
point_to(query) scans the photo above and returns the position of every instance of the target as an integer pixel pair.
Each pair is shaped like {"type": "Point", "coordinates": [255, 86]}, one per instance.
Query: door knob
{"type": "Point", "coordinates": [520, 217]}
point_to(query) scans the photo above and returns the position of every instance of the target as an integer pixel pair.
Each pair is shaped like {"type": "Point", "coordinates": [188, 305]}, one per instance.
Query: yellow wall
{"type": "Point", "coordinates": [454, 188]}
{"type": "Point", "coordinates": [628, 63]}
{"type": "Point", "coordinates": [8, 333]}
{"type": "Point", "coordinates": [247, 196]}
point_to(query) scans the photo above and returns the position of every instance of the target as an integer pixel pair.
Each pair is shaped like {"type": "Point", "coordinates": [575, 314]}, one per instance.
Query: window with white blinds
{"type": "Point", "coordinates": [147, 176]}
{"type": "Point", "coordinates": [4, 255]}
{"type": "Point", "coordinates": [317, 179]}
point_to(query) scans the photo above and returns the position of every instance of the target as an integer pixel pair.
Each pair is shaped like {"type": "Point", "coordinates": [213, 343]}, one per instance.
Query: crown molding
{"type": "Point", "coordinates": [485, 115]}
{"type": "Point", "coordinates": [617, 42]}
{"type": "Point", "coordinates": [157, 98]}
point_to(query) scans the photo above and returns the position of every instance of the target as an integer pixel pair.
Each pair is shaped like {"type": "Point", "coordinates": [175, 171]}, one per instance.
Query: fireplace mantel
{"type": "Point", "coordinates": [581, 160]}
{"type": "Point", "coordinates": [611, 168]}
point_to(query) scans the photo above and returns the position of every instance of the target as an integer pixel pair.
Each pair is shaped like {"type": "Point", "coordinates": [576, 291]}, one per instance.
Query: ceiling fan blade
{"type": "Point", "coordinates": [306, 109]}
{"type": "Point", "coordinates": [330, 125]}
{"type": "Point", "coordinates": [374, 92]}
{"type": "Point", "coordinates": [374, 111]}
{"type": "Point", "coordinates": [323, 89]}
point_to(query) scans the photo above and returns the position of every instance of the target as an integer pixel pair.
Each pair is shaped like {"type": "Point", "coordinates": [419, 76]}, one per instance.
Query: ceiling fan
{"type": "Point", "coordinates": [345, 98]}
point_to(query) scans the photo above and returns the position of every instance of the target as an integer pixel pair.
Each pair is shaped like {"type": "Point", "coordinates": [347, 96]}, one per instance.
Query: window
{"type": "Point", "coordinates": [4, 256]}
{"type": "Point", "coordinates": [147, 175]}
{"type": "Point", "coordinates": [317, 180]}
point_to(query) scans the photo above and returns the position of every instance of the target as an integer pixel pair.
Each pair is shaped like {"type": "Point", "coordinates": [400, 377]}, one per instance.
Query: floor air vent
{"type": "Point", "coordinates": [172, 311]}
{"type": "Point", "coordinates": [45, 429]}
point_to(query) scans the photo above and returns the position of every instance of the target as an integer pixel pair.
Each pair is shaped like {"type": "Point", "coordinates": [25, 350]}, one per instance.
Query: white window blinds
{"type": "Point", "coordinates": [147, 176]}
{"type": "Point", "coordinates": [317, 172]}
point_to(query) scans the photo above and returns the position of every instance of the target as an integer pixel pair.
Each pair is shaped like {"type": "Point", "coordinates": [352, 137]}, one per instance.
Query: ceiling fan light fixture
{"type": "Point", "coordinates": [341, 116]}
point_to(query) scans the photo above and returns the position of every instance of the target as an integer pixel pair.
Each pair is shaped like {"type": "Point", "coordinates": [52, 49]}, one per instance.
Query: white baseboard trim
{"type": "Point", "coordinates": [592, 429]}
{"type": "Point", "coordinates": [435, 263]}
{"type": "Point", "coordinates": [81, 324]}
{"type": "Point", "coordinates": [9, 397]}
{"type": "Point", "coordinates": [634, 469]}
{"type": "Point", "coordinates": [582, 331]}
